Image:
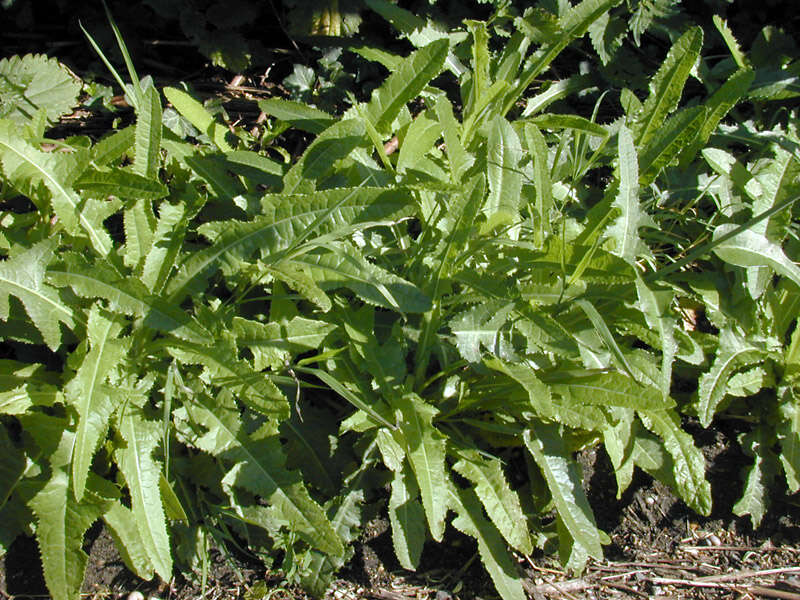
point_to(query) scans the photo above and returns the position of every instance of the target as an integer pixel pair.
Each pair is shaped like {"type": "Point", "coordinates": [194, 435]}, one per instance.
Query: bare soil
{"type": "Point", "coordinates": [659, 549]}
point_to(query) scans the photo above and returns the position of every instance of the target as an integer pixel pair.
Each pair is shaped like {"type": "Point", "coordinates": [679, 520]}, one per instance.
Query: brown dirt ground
{"type": "Point", "coordinates": [659, 549]}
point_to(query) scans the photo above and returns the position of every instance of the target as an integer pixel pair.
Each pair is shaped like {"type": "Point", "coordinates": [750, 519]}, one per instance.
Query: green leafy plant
{"type": "Point", "coordinates": [208, 345]}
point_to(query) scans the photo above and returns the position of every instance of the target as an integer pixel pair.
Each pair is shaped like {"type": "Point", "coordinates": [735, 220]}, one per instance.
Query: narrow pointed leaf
{"type": "Point", "coordinates": [148, 135]}
{"type": "Point", "coordinates": [761, 476]}
{"type": "Point", "coordinates": [425, 449]}
{"type": "Point", "coordinates": [89, 394]}
{"type": "Point", "coordinates": [504, 154]}
{"type": "Point", "coordinates": [689, 465]}
{"type": "Point", "coordinates": [120, 183]}
{"type": "Point", "coordinates": [142, 471]}
{"type": "Point", "coordinates": [198, 116]}
{"type": "Point", "coordinates": [564, 481]}
{"type": "Point", "coordinates": [407, 518]}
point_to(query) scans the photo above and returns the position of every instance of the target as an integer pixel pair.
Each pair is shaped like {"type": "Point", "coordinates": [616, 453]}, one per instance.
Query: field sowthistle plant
{"type": "Point", "coordinates": [205, 344]}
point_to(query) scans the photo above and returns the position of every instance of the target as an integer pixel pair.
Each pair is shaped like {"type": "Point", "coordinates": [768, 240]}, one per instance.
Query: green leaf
{"type": "Point", "coordinates": [148, 135]}
{"type": "Point", "coordinates": [113, 147]}
{"type": "Point", "coordinates": [666, 86]}
{"type": "Point", "coordinates": [142, 472]}
{"type": "Point", "coordinates": [165, 245]}
{"type": "Point", "coordinates": [334, 143]}
{"type": "Point", "coordinates": [544, 187]}
{"type": "Point", "coordinates": [198, 116]}
{"type": "Point", "coordinates": [319, 568]}
{"type": "Point", "coordinates": [425, 449]}
{"type": "Point", "coordinates": [88, 393]}
{"type": "Point", "coordinates": [501, 503]}
{"type": "Point", "coordinates": [480, 326]}
{"type": "Point", "coordinates": [605, 334]}
{"type": "Point", "coordinates": [24, 165]}
{"type": "Point", "coordinates": [128, 297]}
{"type": "Point", "coordinates": [730, 41]}
{"type": "Point", "coordinates": [300, 115]}
{"type": "Point", "coordinates": [612, 389]}
{"type": "Point", "coordinates": [538, 392]}
{"type": "Point", "coordinates": [226, 370]}
{"type": "Point", "coordinates": [545, 443]}
{"type": "Point", "coordinates": [789, 439]}
{"type": "Point", "coordinates": [504, 154]}
{"type": "Point", "coordinates": [761, 476]}
{"type": "Point", "coordinates": [120, 183]}
{"type": "Point", "coordinates": [689, 465]}
{"type": "Point", "coordinates": [288, 221]}
{"type": "Point", "coordinates": [12, 466]}
{"type": "Point", "coordinates": [23, 277]}
{"type": "Point", "coordinates": [407, 518]}
{"type": "Point", "coordinates": [655, 306]}
{"type": "Point", "coordinates": [418, 141]}
{"type": "Point", "coordinates": [749, 249]}
{"type": "Point", "coordinates": [573, 25]}
{"type": "Point", "coordinates": [342, 265]}
{"type": "Point", "coordinates": [624, 230]}
{"type": "Point", "coordinates": [125, 531]}
{"type": "Point", "coordinates": [733, 352]}
{"type": "Point", "coordinates": [258, 466]}
{"type": "Point", "coordinates": [666, 144]}
{"type": "Point", "coordinates": [460, 160]}
{"type": "Point", "coordinates": [491, 547]}
{"type": "Point", "coordinates": [61, 525]}
{"type": "Point", "coordinates": [405, 84]}
{"type": "Point", "coordinates": [33, 83]}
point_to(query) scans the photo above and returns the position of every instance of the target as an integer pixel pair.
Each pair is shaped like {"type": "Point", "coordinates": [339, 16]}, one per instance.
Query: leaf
{"type": "Point", "coordinates": [61, 525]}
{"type": "Point", "coordinates": [730, 41]}
{"type": "Point", "coordinates": [288, 221]}
{"type": "Point", "coordinates": [23, 277]}
{"type": "Point", "coordinates": [573, 25]}
{"type": "Point", "coordinates": [460, 160]}
{"type": "Point", "coordinates": [501, 503]}
{"type": "Point", "coordinates": [128, 297]}
{"type": "Point", "coordinates": [334, 143]}
{"type": "Point", "coordinates": [545, 444]}
{"type": "Point", "coordinates": [319, 568]}
{"type": "Point", "coordinates": [33, 83]}
{"type": "Point", "coordinates": [124, 530]}
{"type": "Point", "coordinates": [504, 154]}
{"type": "Point", "coordinates": [491, 547]}
{"type": "Point", "coordinates": [88, 393]}
{"type": "Point", "coordinates": [419, 139]}
{"type": "Point", "coordinates": [605, 334]}
{"type": "Point", "coordinates": [113, 147]}
{"type": "Point", "coordinates": [788, 430]}
{"type": "Point", "coordinates": [655, 306]}
{"type": "Point", "coordinates": [425, 449]}
{"type": "Point", "coordinates": [538, 392]}
{"type": "Point", "coordinates": [624, 230]}
{"type": "Point", "coordinates": [142, 472]}
{"type": "Point", "coordinates": [405, 84]}
{"type": "Point", "coordinates": [733, 352]}
{"type": "Point", "coordinates": [258, 466]}
{"type": "Point", "coordinates": [227, 371]}
{"type": "Point", "coordinates": [761, 475]}
{"type": "Point", "coordinates": [120, 183]}
{"type": "Point", "coordinates": [749, 249]}
{"type": "Point", "coordinates": [669, 141]}
{"type": "Point", "coordinates": [612, 389]}
{"type": "Point", "coordinates": [24, 165]}
{"type": "Point", "coordinates": [407, 519]}
{"type": "Point", "coordinates": [480, 326]}
{"type": "Point", "coordinates": [165, 245]}
{"type": "Point", "coordinates": [198, 116]}
{"type": "Point", "coordinates": [300, 115]}
{"type": "Point", "coordinates": [12, 466]}
{"type": "Point", "coordinates": [689, 465]}
{"type": "Point", "coordinates": [666, 86]}
{"type": "Point", "coordinates": [342, 265]}
{"type": "Point", "coordinates": [148, 135]}
{"type": "Point", "coordinates": [544, 196]}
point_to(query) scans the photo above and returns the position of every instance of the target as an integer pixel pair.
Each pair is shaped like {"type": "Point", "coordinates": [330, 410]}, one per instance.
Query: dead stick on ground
{"type": "Point", "coordinates": [771, 593]}
{"type": "Point", "coordinates": [748, 574]}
